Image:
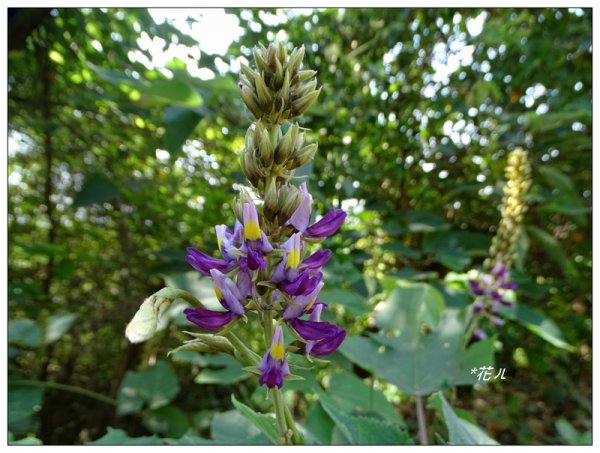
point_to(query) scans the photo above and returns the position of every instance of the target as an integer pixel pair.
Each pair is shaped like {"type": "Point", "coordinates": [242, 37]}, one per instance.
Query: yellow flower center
{"type": "Point", "coordinates": [277, 351]}
{"type": "Point", "coordinates": [219, 242]}
{"type": "Point", "coordinates": [293, 259]}
{"type": "Point", "coordinates": [251, 230]}
{"type": "Point", "coordinates": [309, 306]}
{"type": "Point", "coordinates": [218, 293]}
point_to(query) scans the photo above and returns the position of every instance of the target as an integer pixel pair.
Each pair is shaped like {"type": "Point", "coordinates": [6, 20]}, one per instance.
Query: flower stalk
{"type": "Point", "coordinates": [494, 289]}
{"type": "Point", "coordinates": [264, 264]}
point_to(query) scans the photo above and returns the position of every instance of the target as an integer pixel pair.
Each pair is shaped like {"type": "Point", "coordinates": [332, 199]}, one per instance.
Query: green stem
{"type": "Point", "coordinates": [251, 357]}
{"type": "Point", "coordinates": [174, 293]}
{"type": "Point", "coordinates": [291, 424]}
{"type": "Point", "coordinates": [67, 388]}
{"type": "Point", "coordinates": [472, 326]}
{"type": "Point", "coordinates": [279, 406]}
{"type": "Point", "coordinates": [421, 420]}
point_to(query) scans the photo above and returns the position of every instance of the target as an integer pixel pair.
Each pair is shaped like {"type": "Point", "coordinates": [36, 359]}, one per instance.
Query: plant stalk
{"type": "Point", "coordinates": [421, 420]}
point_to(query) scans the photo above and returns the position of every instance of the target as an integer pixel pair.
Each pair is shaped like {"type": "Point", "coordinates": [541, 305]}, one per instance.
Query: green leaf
{"type": "Point", "coordinates": [423, 222]}
{"type": "Point", "coordinates": [232, 428]}
{"type": "Point", "coordinates": [120, 437]}
{"type": "Point", "coordinates": [425, 363]}
{"type": "Point", "coordinates": [359, 430]}
{"type": "Point", "coordinates": [57, 326]}
{"type": "Point", "coordinates": [23, 402]}
{"type": "Point", "coordinates": [24, 332]}
{"type": "Point", "coordinates": [172, 91]}
{"type": "Point", "coordinates": [29, 440]}
{"type": "Point", "coordinates": [319, 424]}
{"type": "Point", "coordinates": [154, 387]}
{"type": "Point", "coordinates": [179, 124]}
{"type": "Point", "coordinates": [265, 423]}
{"type": "Point", "coordinates": [570, 435]}
{"type": "Point", "coordinates": [554, 251]}
{"type": "Point", "coordinates": [462, 432]}
{"type": "Point", "coordinates": [227, 371]}
{"type": "Point", "coordinates": [408, 306]}
{"type": "Point", "coordinates": [96, 188]}
{"type": "Point", "coordinates": [537, 322]}
{"type": "Point", "coordinates": [351, 394]}
{"type": "Point", "coordinates": [351, 300]}
{"type": "Point", "coordinates": [167, 420]}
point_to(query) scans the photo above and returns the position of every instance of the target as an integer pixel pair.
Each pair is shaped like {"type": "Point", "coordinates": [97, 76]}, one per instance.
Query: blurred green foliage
{"type": "Point", "coordinates": [116, 166]}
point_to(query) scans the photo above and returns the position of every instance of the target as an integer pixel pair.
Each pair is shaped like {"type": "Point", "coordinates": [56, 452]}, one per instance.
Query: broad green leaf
{"type": "Point", "coordinates": [408, 306]}
{"type": "Point", "coordinates": [96, 188]}
{"type": "Point", "coordinates": [319, 424]}
{"type": "Point", "coordinates": [29, 440]}
{"type": "Point", "coordinates": [423, 222]}
{"type": "Point", "coordinates": [189, 438]}
{"type": "Point", "coordinates": [224, 370]}
{"type": "Point", "coordinates": [462, 432]}
{"type": "Point", "coordinates": [400, 249]}
{"type": "Point", "coordinates": [232, 428]}
{"type": "Point", "coordinates": [351, 300]}
{"type": "Point", "coordinates": [536, 321]}
{"type": "Point", "coordinates": [179, 124]}
{"type": "Point", "coordinates": [265, 423]}
{"type": "Point", "coordinates": [57, 326]}
{"type": "Point", "coordinates": [423, 364]}
{"type": "Point", "coordinates": [23, 402]}
{"type": "Point", "coordinates": [554, 251]}
{"type": "Point", "coordinates": [352, 395]}
{"type": "Point", "coordinates": [360, 430]}
{"type": "Point", "coordinates": [570, 435]}
{"type": "Point", "coordinates": [119, 437]}
{"type": "Point", "coordinates": [41, 248]}
{"type": "Point", "coordinates": [169, 421]}
{"type": "Point", "coordinates": [153, 387]}
{"type": "Point", "coordinates": [172, 91]}
{"type": "Point", "coordinates": [24, 332]}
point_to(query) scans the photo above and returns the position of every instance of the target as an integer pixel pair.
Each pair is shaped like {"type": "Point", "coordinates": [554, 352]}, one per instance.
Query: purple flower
{"type": "Point", "coordinates": [227, 292]}
{"type": "Point", "coordinates": [208, 319]}
{"type": "Point", "coordinates": [204, 263]}
{"type": "Point", "coordinates": [253, 235]}
{"type": "Point", "coordinates": [317, 259]}
{"type": "Point", "coordinates": [302, 303]}
{"type": "Point", "coordinates": [323, 338]}
{"type": "Point", "coordinates": [274, 364]}
{"type": "Point", "coordinates": [304, 283]}
{"type": "Point", "coordinates": [327, 226]}
{"type": "Point", "coordinates": [489, 290]}
{"type": "Point", "coordinates": [479, 335]}
{"type": "Point", "coordinates": [287, 269]}
{"type": "Point", "coordinates": [301, 216]}
{"type": "Point", "coordinates": [245, 284]}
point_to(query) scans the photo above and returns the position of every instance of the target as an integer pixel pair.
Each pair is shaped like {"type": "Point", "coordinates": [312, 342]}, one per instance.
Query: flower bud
{"type": "Point", "coordinates": [299, 106]}
{"type": "Point", "coordinates": [286, 146]}
{"type": "Point", "coordinates": [145, 321]}
{"type": "Point", "coordinates": [270, 206]}
{"type": "Point", "coordinates": [204, 342]}
{"type": "Point", "coordinates": [302, 156]}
